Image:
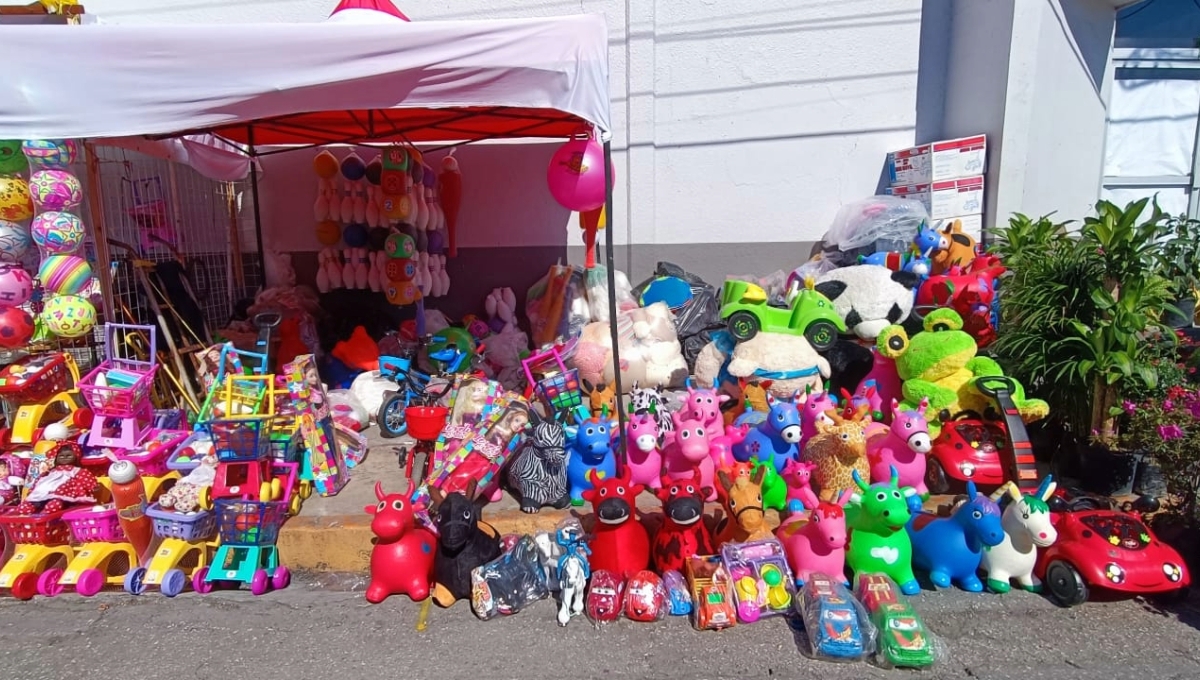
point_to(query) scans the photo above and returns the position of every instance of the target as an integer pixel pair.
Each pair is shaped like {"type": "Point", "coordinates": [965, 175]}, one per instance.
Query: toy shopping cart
{"type": "Point", "coordinates": [248, 531]}
{"type": "Point", "coordinates": [39, 390]}
{"type": "Point", "coordinates": [558, 386]}
{"type": "Point", "coordinates": [103, 559]}
{"type": "Point", "coordinates": [40, 545]}
{"type": "Point", "coordinates": [182, 556]}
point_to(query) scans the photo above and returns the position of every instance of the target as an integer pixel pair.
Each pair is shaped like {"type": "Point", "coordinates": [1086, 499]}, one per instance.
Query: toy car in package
{"type": "Point", "coordinates": [605, 596]}
{"type": "Point", "coordinates": [509, 583]}
{"type": "Point", "coordinates": [837, 626]}
{"type": "Point", "coordinates": [762, 580]}
{"type": "Point", "coordinates": [645, 598]}
{"type": "Point", "coordinates": [712, 597]}
{"type": "Point", "coordinates": [903, 642]}
{"type": "Point", "coordinates": [678, 596]}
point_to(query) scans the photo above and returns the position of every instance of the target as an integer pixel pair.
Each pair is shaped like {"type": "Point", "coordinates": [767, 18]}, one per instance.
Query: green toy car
{"type": "Point", "coordinates": [746, 310]}
{"type": "Point", "coordinates": [903, 640]}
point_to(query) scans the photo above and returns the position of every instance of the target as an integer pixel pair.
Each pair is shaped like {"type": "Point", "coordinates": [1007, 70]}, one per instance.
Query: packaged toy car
{"type": "Point", "coordinates": [903, 640]}
{"type": "Point", "coordinates": [605, 595]}
{"type": "Point", "coordinates": [678, 598]}
{"type": "Point", "coordinates": [837, 626]}
{"type": "Point", "coordinates": [762, 580]}
{"type": "Point", "coordinates": [645, 598]}
{"type": "Point", "coordinates": [507, 584]}
{"type": "Point", "coordinates": [712, 599]}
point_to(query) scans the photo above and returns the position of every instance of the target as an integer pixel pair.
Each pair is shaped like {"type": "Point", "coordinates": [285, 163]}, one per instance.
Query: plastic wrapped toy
{"type": "Point", "coordinates": [903, 639]}
{"type": "Point", "coordinates": [712, 595]}
{"type": "Point", "coordinates": [572, 569]}
{"type": "Point", "coordinates": [678, 598]}
{"type": "Point", "coordinates": [762, 581]}
{"type": "Point", "coordinates": [605, 596]}
{"type": "Point", "coordinates": [645, 598]}
{"type": "Point", "coordinates": [509, 583]}
{"type": "Point", "coordinates": [837, 626]}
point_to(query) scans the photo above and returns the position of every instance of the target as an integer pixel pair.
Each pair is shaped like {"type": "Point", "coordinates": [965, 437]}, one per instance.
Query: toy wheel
{"type": "Point", "coordinates": [294, 505]}
{"type": "Point", "coordinates": [260, 583]}
{"type": "Point", "coordinates": [47, 583]}
{"type": "Point", "coordinates": [1065, 584]}
{"type": "Point", "coordinates": [306, 489]}
{"type": "Point", "coordinates": [205, 498]}
{"type": "Point", "coordinates": [282, 578]}
{"type": "Point", "coordinates": [391, 416]}
{"type": "Point", "coordinates": [25, 586]}
{"type": "Point", "coordinates": [91, 581]}
{"type": "Point", "coordinates": [135, 581]}
{"type": "Point", "coordinates": [935, 477]}
{"type": "Point", "coordinates": [822, 335]}
{"type": "Point", "coordinates": [276, 489]}
{"type": "Point", "coordinates": [173, 582]}
{"type": "Point", "coordinates": [199, 584]}
{"type": "Point", "coordinates": [264, 492]}
{"type": "Point", "coordinates": [743, 325]}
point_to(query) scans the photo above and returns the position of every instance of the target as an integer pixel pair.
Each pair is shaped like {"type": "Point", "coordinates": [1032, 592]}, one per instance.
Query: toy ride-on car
{"type": "Point", "coordinates": [1104, 549]}
{"type": "Point", "coordinates": [746, 310]}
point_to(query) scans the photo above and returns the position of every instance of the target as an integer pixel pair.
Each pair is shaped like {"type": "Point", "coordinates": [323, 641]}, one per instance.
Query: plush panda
{"type": "Point", "coordinates": [869, 297]}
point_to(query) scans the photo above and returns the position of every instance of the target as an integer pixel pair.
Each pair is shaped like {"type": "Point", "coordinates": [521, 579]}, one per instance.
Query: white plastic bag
{"type": "Point", "coordinates": [879, 218]}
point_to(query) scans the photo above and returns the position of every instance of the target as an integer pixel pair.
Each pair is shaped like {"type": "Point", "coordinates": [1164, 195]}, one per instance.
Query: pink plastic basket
{"type": "Point", "coordinates": [197, 526]}
{"type": "Point", "coordinates": [92, 525]}
{"type": "Point", "coordinates": [41, 529]}
{"type": "Point", "coordinates": [112, 401]}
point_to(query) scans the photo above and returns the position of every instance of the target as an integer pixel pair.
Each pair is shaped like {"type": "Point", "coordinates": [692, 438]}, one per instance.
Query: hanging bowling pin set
{"type": "Point", "coordinates": [394, 219]}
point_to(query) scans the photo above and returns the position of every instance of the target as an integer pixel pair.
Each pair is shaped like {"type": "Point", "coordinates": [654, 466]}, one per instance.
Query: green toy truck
{"type": "Point", "coordinates": [746, 310]}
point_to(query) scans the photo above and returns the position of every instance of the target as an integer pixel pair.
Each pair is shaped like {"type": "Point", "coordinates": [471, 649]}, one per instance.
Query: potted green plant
{"type": "Point", "coordinates": [1167, 429]}
{"type": "Point", "coordinates": [1179, 259]}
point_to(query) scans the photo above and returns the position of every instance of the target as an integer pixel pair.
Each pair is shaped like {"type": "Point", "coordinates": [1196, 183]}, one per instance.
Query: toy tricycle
{"type": "Point", "coordinates": [39, 544]}
{"type": "Point", "coordinates": [182, 555]}
{"type": "Point", "coordinates": [248, 531]}
{"type": "Point", "coordinates": [746, 310]}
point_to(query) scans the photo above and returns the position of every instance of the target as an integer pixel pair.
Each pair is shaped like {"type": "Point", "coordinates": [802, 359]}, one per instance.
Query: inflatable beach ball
{"type": "Point", "coordinates": [57, 233]}
{"type": "Point", "coordinates": [16, 328]}
{"type": "Point", "coordinates": [12, 161]}
{"type": "Point", "coordinates": [69, 316]}
{"type": "Point", "coordinates": [55, 190]}
{"type": "Point", "coordinates": [65, 274]}
{"type": "Point", "coordinates": [50, 154]}
{"type": "Point", "coordinates": [14, 241]}
{"type": "Point", "coordinates": [15, 203]}
{"type": "Point", "coordinates": [16, 285]}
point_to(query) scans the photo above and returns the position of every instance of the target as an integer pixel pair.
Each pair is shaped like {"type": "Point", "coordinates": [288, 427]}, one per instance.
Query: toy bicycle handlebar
{"type": "Point", "coordinates": [995, 385]}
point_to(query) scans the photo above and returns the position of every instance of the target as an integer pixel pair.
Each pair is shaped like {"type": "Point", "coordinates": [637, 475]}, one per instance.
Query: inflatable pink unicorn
{"type": "Point", "coordinates": [901, 447]}
{"type": "Point", "coordinates": [643, 458]}
{"type": "Point", "coordinates": [817, 544]}
{"type": "Point", "coordinates": [689, 450]}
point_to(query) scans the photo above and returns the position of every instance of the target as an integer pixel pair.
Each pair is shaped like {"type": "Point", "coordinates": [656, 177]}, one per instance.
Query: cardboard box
{"type": "Point", "coordinates": [949, 159]}
{"type": "Point", "coordinates": [948, 198]}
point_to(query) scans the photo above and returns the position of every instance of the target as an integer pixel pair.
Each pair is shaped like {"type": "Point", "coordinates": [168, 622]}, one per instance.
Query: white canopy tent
{"type": "Point", "coordinates": [347, 80]}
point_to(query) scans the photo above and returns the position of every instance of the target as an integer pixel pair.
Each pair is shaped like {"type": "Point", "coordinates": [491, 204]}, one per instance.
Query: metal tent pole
{"type": "Point", "coordinates": [612, 290]}
{"type": "Point", "coordinates": [262, 253]}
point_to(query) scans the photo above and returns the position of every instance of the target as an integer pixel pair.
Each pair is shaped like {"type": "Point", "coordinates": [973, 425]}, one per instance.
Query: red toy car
{"type": "Point", "coordinates": [605, 595]}
{"type": "Point", "coordinates": [645, 597]}
{"type": "Point", "coordinates": [967, 449]}
{"type": "Point", "coordinates": [1107, 550]}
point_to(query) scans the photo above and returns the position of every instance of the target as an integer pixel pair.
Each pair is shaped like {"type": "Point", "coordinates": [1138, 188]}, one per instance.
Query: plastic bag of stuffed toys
{"type": "Point", "coordinates": [836, 624]}
{"type": "Point", "coordinates": [509, 583]}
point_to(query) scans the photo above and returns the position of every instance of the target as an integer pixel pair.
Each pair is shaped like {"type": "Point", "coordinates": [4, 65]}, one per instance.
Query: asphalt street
{"type": "Point", "coordinates": [314, 633]}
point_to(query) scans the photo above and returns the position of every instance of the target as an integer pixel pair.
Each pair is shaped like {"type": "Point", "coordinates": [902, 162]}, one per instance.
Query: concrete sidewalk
{"type": "Point", "coordinates": [334, 534]}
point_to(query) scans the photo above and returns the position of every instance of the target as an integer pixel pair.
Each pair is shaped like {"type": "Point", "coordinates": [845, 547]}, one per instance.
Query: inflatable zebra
{"type": "Point", "coordinates": [538, 473]}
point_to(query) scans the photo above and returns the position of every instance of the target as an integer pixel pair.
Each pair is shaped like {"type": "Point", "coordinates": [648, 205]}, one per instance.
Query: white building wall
{"type": "Point", "coordinates": [737, 121]}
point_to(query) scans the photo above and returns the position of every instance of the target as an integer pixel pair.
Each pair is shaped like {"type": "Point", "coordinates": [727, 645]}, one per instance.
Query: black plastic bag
{"type": "Point", "coordinates": [697, 318]}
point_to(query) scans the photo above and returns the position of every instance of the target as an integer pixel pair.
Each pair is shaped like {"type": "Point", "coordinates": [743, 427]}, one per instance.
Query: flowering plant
{"type": "Point", "coordinates": [1168, 429]}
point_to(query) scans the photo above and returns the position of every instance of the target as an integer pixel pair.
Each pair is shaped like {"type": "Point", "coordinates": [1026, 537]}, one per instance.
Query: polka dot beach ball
{"type": "Point", "coordinates": [65, 274]}
{"type": "Point", "coordinates": [57, 233]}
{"type": "Point", "coordinates": [16, 328]}
{"type": "Point", "coordinates": [14, 241]}
{"type": "Point", "coordinates": [50, 154]}
{"type": "Point", "coordinates": [69, 316]}
{"type": "Point", "coordinates": [55, 190]}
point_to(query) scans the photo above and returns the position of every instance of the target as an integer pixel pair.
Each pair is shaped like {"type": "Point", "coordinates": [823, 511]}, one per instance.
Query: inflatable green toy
{"type": "Point", "coordinates": [879, 542]}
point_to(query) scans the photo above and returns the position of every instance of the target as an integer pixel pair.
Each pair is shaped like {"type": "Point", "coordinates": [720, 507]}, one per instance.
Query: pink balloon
{"type": "Point", "coordinates": [576, 175]}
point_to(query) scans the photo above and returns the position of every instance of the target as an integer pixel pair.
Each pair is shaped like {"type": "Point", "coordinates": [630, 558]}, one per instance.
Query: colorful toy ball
{"type": "Point", "coordinates": [400, 270]}
{"type": "Point", "coordinates": [50, 154]}
{"type": "Point", "coordinates": [400, 246]}
{"type": "Point", "coordinates": [12, 160]}
{"type": "Point", "coordinates": [15, 203]}
{"type": "Point", "coordinates": [57, 233]}
{"type": "Point", "coordinates": [16, 286]}
{"type": "Point", "coordinates": [428, 178]}
{"type": "Point", "coordinates": [325, 164]}
{"type": "Point", "coordinates": [377, 237]}
{"type": "Point", "coordinates": [329, 232]}
{"type": "Point", "coordinates": [69, 316]}
{"type": "Point", "coordinates": [65, 274]}
{"type": "Point", "coordinates": [16, 328]}
{"type": "Point", "coordinates": [55, 190]}
{"type": "Point", "coordinates": [576, 175]}
{"type": "Point", "coordinates": [374, 171]}
{"type": "Point", "coordinates": [437, 242]}
{"type": "Point", "coordinates": [14, 241]}
{"type": "Point", "coordinates": [353, 167]}
{"type": "Point", "coordinates": [355, 235]}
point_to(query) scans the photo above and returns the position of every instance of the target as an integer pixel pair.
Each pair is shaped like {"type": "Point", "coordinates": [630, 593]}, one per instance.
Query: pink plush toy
{"type": "Point", "coordinates": [688, 449]}
{"type": "Point", "coordinates": [643, 458]}
{"type": "Point", "coordinates": [886, 381]}
{"type": "Point", "coordinates": [817, 544]}
{"type": "Point", "coordinates": [798, 477]}
{"type": "Point", "coordinates": [901, 448]}
{"type": "Point", "coordinates": [705, 406]}
{"type": "Point", "coordinates": [813, 411]}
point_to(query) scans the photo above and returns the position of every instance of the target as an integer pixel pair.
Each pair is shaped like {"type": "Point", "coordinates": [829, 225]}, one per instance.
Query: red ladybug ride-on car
{"type": "Point", "coordinates": [967, 449]}
{"type": "Point", "coordinates": [1103, 549]}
